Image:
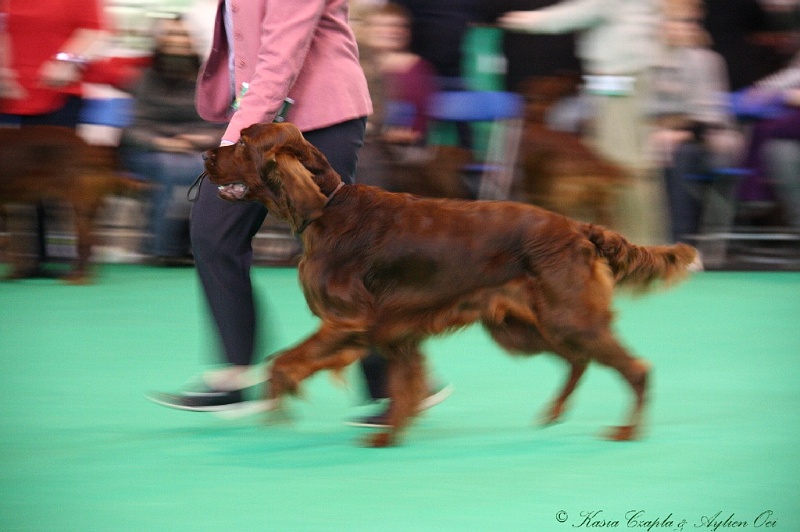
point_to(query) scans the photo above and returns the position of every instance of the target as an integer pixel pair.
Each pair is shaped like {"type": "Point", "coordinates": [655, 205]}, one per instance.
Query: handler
{"type": "Point", "coordinates": [263, 52]}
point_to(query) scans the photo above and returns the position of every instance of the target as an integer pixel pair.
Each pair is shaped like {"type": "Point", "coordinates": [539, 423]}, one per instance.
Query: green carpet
{"type": "Point", "coordinates": [82, 450]}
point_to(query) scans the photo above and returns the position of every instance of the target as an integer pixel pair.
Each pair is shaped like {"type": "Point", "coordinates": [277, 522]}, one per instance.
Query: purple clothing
{"type": "Point", "coordinates": [787, 126]}
{"type": "Point", "coordinates": [413, 87]}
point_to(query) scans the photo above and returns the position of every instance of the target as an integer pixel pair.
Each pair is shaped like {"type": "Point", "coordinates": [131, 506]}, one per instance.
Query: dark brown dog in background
{"type": "Point", "coordinates": [53, 164]}
{"type": "Point", "coordinates": [390, 270]}
{"type": "Point", "coordinates": [561, 171]}
{"type": "Point", "coordinates": [436, 175]}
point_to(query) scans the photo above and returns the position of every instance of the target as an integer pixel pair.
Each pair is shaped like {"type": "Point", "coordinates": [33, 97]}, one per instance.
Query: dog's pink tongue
{"type": "Point", "coordinates": [236, 191]}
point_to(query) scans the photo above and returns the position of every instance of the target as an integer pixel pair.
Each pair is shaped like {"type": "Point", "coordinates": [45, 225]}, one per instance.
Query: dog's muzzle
{"type": "Point", "coordinates": [233, 191]}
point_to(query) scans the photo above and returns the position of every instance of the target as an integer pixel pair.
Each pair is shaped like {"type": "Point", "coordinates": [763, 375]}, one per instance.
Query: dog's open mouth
{"type": "Point", "coordinates": [233, 191]}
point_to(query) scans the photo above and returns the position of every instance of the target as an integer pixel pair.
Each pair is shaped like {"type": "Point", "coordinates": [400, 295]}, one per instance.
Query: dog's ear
{"type": "Point", "coordinates": [263, 141]}
{"type": "Point", "coordinates": [304, 200]}
{"type": "Point", "coordinates": [267, 168]}
{"type": "Point", "coordinates": [312, 158]}
{"type": "Point", "coordinates": [316, 162]}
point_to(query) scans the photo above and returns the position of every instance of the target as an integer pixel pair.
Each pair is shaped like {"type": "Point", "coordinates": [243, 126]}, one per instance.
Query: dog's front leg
{"type": "Point", "coordinates": [407, 387]}
{"type": "Point", "coordinates": [84, 215]}
{"type": "Point", "coordinates": [331, 347]}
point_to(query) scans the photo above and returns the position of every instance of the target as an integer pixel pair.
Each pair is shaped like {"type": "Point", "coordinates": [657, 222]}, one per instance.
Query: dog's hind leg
{"type": "Point", "coordinates": [605, 349]}
{"type": "Point", "coordinates": [525, 338]}
{"type": "Point", "coordinates": [407, 387]}
{"type": "Point", "coordinates": [557, 407]}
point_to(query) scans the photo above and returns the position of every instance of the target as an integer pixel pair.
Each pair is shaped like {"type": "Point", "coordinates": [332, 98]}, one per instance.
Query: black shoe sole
{"type": "Point", "coordinates": [197, 403]}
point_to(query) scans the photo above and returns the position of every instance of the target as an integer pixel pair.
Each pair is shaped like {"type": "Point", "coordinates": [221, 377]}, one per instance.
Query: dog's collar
{"type": "Point", "coordinates": [332, 194]}
{"type": "Point", "coordinates": [327, 201]}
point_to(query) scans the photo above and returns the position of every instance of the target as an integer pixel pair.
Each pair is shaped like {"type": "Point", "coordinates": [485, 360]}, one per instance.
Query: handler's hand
{"type": "Point", "coordinates": [58, 74]}
{"type": "Point", "coordinates": [9, 88]}
{"type": "Point", "coordinates": [525, 21]}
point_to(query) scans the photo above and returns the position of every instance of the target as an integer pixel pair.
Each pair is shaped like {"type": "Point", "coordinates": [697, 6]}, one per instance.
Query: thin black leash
{"type": "Point", "coordinates": [194, 190]}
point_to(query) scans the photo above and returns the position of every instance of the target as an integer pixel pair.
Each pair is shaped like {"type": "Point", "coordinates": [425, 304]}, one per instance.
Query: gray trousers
{"type": "Point", "coordinates": [782, 158]}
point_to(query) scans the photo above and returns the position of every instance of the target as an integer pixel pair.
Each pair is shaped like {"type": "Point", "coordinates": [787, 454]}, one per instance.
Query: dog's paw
{"type": "Point", "coordinates": [379, 440]}
{"type": "Point", "coordinates": [552, 414]}
{"type": "Point", "coordinates": [278, 415]}
{"type": "Point", "coordinates": [623, 433]}
{"type": "Point", "coordinates": [76, 279]}
{"type": "Point", "coordinates": [281, 383]}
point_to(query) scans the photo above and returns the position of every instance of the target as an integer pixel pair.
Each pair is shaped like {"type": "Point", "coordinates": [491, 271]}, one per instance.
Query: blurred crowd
{"type": "Point", "coordinates": [697, 101]}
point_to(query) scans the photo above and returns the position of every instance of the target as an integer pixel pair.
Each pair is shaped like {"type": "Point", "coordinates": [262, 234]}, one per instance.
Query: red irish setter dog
{"type": "Point", "coordinates": [389, 270]}
{"type": "Point", "coordinates": [54, 164]}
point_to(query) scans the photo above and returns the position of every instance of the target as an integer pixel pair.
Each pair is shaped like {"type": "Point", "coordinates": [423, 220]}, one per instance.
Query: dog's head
{"type": "Point", "coordinates": [273, 164]}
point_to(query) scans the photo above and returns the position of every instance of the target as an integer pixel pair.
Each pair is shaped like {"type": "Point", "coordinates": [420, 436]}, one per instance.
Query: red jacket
{"type": "Point", "coordinates": [37, 30]}
{"type": "Point", "coordinates": [305, 50]}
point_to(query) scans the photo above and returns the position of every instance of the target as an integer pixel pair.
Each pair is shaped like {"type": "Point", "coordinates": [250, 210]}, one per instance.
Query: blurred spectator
{"type": "Point", "coordinates": [200, 23]}
{"type": "Point", "coordinates": [694, 134]}
{"type": "Point", "coordinates": [47, 46]}
{"type": "Point", "coordinates": [9, 87]}
{"type": "Point", "coordinates": [407, 81]}
{"type": "Point", "coordinates": [530, 55]}
{"type": "Point", "coordinates": [438, 29]}
{"type": "Point", "coordinates": [536, 56]}
{"type": "Point", "coordinates": [782, 162]}
{"type": "Point", "coordinates": [438, 34]}
{"type": "Point", "coordinates": [731, 24]}
{"type": "Point", "coordinates": [770, 173]}
{"type": "Point", "coordinates": [618, 45]}
{"type": "Point", "coordinates": [49, 43]}
{"type": "Point", "coordinates": [166, 138]}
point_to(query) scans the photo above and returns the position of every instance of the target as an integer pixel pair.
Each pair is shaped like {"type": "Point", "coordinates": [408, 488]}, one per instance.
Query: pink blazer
{"type": "Point", "coordinates": [302, 49]}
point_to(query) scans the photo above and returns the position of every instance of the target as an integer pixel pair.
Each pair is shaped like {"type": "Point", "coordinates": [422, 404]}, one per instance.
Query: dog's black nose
{"type": "Point", "coordinates": [206, 155]}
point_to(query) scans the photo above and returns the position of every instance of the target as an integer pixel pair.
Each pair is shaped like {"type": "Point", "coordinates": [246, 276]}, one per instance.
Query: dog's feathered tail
{"type": "Point", "coordinates": [638, 267]}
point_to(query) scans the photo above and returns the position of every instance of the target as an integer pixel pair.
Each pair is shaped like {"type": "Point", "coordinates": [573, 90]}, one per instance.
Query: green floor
{"type": "Point", "coordinates": [82, 450]}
